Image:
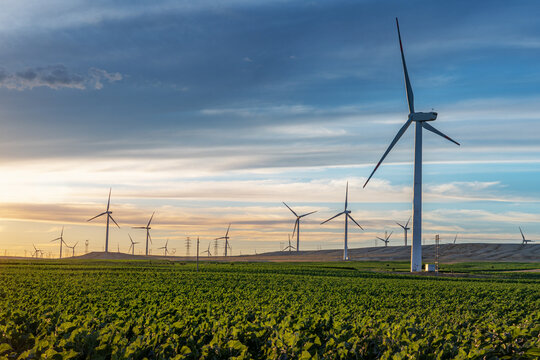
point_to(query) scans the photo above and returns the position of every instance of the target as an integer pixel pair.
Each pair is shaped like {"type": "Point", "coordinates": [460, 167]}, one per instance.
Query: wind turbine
{"type": "Point", "coordinates": [36, 251]}
{"type": "Point", "coordinates": [147, 227]}
{"type": "Point", "coordinates": [61, 239]}
{"type": "Point", "coordinates": [132, 246]}
{"type": "Point", "coordinates": [226, 238]}
{"type": "Point", "coordinates": [72, 248]}
{"type": "Point", "coordinates": [421, 119]}
{"type": "Point", "coordinates": [347, 214]}
{"type": "Point", "coordinates": [386, 239]}
{"type": "Point", "coordinates": [207, 251]}
{"type": "Point", "coordinates": [289, 247]}
{"type": "Point", "coordinates": [525, 241]}
{"type": "Point", "coordinates": [405, 229]}
{"type": "Point", "coordinates": [165, 250]}
{"type": "Point", "coordinates": [109, 216]}
{"type": "Point", "coordinates": [297, 225]}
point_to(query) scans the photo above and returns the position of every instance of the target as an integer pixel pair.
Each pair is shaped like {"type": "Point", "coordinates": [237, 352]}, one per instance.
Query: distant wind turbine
{"type": "Point", "coordinates": [405, 229]}
{"type": "Point", "coordinates": [37, 251]}
{"type": "Point", "coordinates": [132, 246]}
{"type": "Point", "coordinates": [525, 241]}
{"type": "Point", "coordinates": [297, 225]}
{"type": "Point", "coordinates": [455, 238]}
{"type": "Point", "coordinates": [421, 119]}
{"type": "Point", "coordinates": [147, 227]}
{"type": "Point", "coordinates": [386, 239]}
{"type": "Point", "coordinates": [289, 247]}
{"type": "Point", "coordinates": [61, 239]}
{"type": "Point", "coordinates": [207, 251]}
{"type": "Point", "coordinates": [72, 248]}
{"type": "Point", "coordinates": [347, 214]}
{"type": "Point", "coordinates": [226, 238]}
{"type": "Point", "coordinates": [108, 213]}
{"type": "Point", "coordinates": [165, 250]}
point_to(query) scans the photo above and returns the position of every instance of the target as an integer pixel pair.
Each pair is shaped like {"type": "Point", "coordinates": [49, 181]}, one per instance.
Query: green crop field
{"type": "Point", "coordinates": [161, 310]}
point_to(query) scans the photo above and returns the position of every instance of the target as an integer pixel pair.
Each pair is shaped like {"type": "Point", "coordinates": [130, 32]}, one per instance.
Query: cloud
{"type": "Point", "coordinates": [56, 77]}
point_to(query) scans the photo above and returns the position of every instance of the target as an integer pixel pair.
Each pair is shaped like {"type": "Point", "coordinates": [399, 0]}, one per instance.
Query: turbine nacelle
{"type": "Point", "coordinates": [423, 116]}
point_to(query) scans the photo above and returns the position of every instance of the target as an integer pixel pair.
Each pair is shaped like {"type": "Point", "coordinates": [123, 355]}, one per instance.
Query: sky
{"type": "Point", "coordinates": [214, 112]}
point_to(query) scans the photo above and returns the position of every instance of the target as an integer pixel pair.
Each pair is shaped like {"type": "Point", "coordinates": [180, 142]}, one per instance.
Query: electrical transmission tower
{"type": "Point", "coordinates": [216, 247]}
{"type": "Point", "coordinates": [188, 245]}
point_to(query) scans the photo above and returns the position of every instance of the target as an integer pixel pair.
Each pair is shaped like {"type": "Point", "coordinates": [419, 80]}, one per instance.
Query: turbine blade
{"type": "Point", "coordinates": [400, 225]}
{"type": "Point", "coordinates": [350, 217]}
{"type": "Point", "coordinates": [109, 201]}
{"type": "Point", "coordinates": [150, 238]}
{"type": "Point", "coordinates": [408, 87]}
{"type": "Point", "coordinates": [407, 224]}
{"type": "Point", "coordinates": [295, 225]}
{"type": "Point", "coordinates": [427, 126]}
{"type": "Point", "coordinates": [388, 237]}
{"type": "Point", "coordinates": [151, 217]}
{"type": "Point", "coordinates": [62, 233]}
{"type": "Point", "coordinates": [396, 139]}
{"type": "Point", "coordinates": [138, 227]}
{"type": "Point", "coordinates": [220, 238]}
{"type": "Point", "coordinates": [130, 238]}
{"type": "Point", "coordinates": [290, 209]}
{"type": "Point", "coordinates": [103, 213]}
{"type": "Point", "coordinates": [346, 195]}
{"type": "Point", "coordinates": [523, 236]}
{"type": "Point", "coordinates": [114, 221]}
{"type": "Point", "coordinates": [333, 217]}
{"type": "Point", "coordinates": [380, 238]}
{"type": "Point", "coordinates": [309, 213]}
{"type": "Point", "coordinates": [227, 234]}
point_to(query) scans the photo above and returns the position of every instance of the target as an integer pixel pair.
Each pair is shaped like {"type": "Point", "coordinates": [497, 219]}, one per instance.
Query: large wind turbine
{"type": "Point", "coordinates": [525, 241]}
{"type": "Point", "coordinates": [61, 239]}
{"type": "Point", "coordinates": [226, 238]}
{"type": "Point", "coordinates": [386, 239]}
{"type": "Point", "coordinates": [109, 216]}
{"type": "Point", "coordinates": [147, 227]}
{"type": "Point", "coordinates": [132, 246]}
{"type": "Point", "coordinates": [347, 214]}
{"type": "Point", "coordinates": [421, 119]}
{"type": "Point", "coordinates": [405, 229]}
{"type": "Point", "coordinates": [297, 225]}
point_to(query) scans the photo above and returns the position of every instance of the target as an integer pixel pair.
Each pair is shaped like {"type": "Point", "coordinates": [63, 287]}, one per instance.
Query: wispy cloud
{"type": "Point", "coordinates": [56, 77]}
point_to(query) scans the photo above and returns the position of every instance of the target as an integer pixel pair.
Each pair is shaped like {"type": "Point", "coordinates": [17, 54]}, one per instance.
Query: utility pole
{"type": "Point", "coordinates": [437, 253]}
{"type": "Point", "coordinates": [197, 254]}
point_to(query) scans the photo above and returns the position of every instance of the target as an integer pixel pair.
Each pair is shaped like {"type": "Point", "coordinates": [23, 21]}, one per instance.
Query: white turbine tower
{"type": "Point", "coordinates": [109, 216]}
{"type": "Point", "coordinates": [147, 227]}
{"type": "Point", "coordinates": [347, 214]}
{"type": "Point", "coordinates": [297, 225]}
{"type": "Point", "coordinates": [405, 228]}
{"type": "Point", "coordinates": [421, 121]}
